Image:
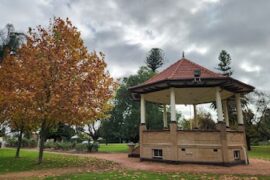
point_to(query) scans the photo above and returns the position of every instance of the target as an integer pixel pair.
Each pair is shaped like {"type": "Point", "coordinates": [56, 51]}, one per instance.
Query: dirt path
{"type": "Point", "coordinates": [256, 166]}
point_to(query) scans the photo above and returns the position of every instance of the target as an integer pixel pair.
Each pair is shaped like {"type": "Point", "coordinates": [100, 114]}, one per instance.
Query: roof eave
{"type": "Point", "coordinates": [171, 80]}
{"type": "Point", "coordinates": [228, 83]}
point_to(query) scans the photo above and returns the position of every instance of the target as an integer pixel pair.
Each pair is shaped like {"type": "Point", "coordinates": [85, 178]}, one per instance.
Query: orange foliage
{"type": "Point", "coordinates": [56, 73]}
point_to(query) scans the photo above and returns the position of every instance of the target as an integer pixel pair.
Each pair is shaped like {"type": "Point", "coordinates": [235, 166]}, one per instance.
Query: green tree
{"type": "Point", "coordinates": [261, 101]}
{"type": "Point", "coordinates": [250, 127]}
{"type": "Point", "coordinates": [264, 125]}
{"type": "Point", "coordinates": [155, 59]}
{"type": "Point", "coordinates": [256, 115]}
{"type": "Point", "coordinates": [10, 41]}
{"type": "Point", "coordinates": [61, 132]}
{"type": "Point", "coordinates": [91, 130]}
{"type": "Point", "coordinates": [224, 63]}
{"type": "Point", "coordinates": [123, 125]}
{"type": "Point", "coordinates": [224, 67]}
{"type": "Point", "coordinates": [205, 120]}
{"type": "Point", "coordinates": [185, 124]}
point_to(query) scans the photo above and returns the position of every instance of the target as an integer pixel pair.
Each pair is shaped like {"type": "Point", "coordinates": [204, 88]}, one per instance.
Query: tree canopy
{"type": "Point", "coordinates": [155, 59]}
{"type": "Point", "coordinates": [55, 71]}
{"type": "Point", "coordinates": [123, 124]}
{"type": "Point", "coordinates": [224, 63]}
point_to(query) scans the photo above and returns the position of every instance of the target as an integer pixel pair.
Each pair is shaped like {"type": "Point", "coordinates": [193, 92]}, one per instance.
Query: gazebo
{"type": "Point", "coordinates": [186, 82]}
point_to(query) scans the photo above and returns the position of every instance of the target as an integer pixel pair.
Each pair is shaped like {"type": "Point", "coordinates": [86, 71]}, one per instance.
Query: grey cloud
{"type": "Point", "coordinates": [126, 30]}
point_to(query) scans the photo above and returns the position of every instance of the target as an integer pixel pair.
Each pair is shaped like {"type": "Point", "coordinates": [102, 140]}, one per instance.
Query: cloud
{"type": "Point", "coordinates": [126, 30]}
{"type": "Point", "coordinates": [246, 66]}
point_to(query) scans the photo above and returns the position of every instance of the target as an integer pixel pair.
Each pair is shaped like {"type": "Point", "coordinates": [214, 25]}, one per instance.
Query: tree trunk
{"type": "Point", "coordinates": [248, 143]}
{"type": "Point", "coordinates": [41, 142]}
{"type": "Point", "coordinates": [19, 144]}
{"type": "Point", "coordinates": [89, 146]}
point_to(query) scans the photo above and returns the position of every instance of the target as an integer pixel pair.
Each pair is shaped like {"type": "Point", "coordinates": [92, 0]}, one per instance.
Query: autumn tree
{"type": "Point", "coordinates": [16, 108]}
{"type": "Point", "coordinates": [3, 121]}
{"type": "Point", "coordinates": [21, 120]}
{"type": "Point", "coordinates": [155, 59]}
{"type": "Point", "coordinates": [68, 83]}
{"type": "Point", "coordinates": [10, 41]}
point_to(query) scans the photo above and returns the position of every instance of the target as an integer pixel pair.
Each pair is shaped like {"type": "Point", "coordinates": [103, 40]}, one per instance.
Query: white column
{"type": "Point", "coordinates": [142, 109]}
{"type": "Point", "coordinates": [219, 105]}
{"type": "Point", "coordinates": [172, 101]}
{"type": "Point", "coordinates": [195, 115]}
{"type": "Point", "coordinates": [165, 122]}
{"type": "Point", "coordinates": [239, 109]}
{"type": "Point", "coordinates": [225, 112]}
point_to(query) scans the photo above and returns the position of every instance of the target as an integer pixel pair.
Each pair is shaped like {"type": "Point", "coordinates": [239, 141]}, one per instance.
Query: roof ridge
{"type": "Point", "coordinates": [179, 63]}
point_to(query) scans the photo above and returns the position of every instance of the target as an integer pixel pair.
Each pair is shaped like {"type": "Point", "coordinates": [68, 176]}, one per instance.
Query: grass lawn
{"type": "Point", "coordinates": [122, 175]}
{"type": "Point", "coordinates": [113, 148]}
{"type": "Point", "coordinates": [127, 175]}
{"type": "Point", "coordinates": [260, 152]}
{"type": "Point", "coordinates": [28, 158]}
{"type": "Point", "coordinates": [28, 161]}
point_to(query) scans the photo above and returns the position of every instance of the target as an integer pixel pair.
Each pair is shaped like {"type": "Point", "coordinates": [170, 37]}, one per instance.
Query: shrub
{"type": "Point", "coordinates": [81, 147]}
{"type": "Point", "coordinates": [95, 147]}
{"type": "Point", "coordinates": [13, 142]}
{"type": "Point", "coordinates": [65, 146]}
{"type": "Point", "coordinates": [50, 145]}
{"type": "Point", "coordinates": [29, 143]}
{"type": "Point", "coordinates": [101, 140]}
{"type": "Point", "coordinates": [264, 143]}
{"type": "Point", "coordinates": [90, 147]}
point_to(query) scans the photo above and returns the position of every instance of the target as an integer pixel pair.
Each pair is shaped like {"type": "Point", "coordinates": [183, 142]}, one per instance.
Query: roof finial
{"type": "Point", "coordinates": [183, 54]}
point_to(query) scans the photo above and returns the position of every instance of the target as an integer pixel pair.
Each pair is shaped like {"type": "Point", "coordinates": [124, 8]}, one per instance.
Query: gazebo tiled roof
{"type": "Point", "coordinates": [183, 69]}
{"type": "Point", "coordinates": [181, 75]}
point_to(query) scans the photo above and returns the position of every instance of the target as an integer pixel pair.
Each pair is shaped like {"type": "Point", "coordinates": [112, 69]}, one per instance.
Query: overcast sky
{"type": "Point", "coordinates": [126, 30]}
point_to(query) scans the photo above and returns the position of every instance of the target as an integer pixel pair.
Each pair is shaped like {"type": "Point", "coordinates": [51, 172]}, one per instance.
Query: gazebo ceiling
{"type": "Point", "coordinates": [193, 83]}
{"type": "Point", "coordinates": [186, 95]}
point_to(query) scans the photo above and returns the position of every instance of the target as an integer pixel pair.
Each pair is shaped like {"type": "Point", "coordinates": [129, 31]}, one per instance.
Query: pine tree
{"type": "Point", "coordinates": [155, 59]}
{"type": "Point", "coordinates": [224, 64]}
{"type": "Point", "coordinates": [10, 41]}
